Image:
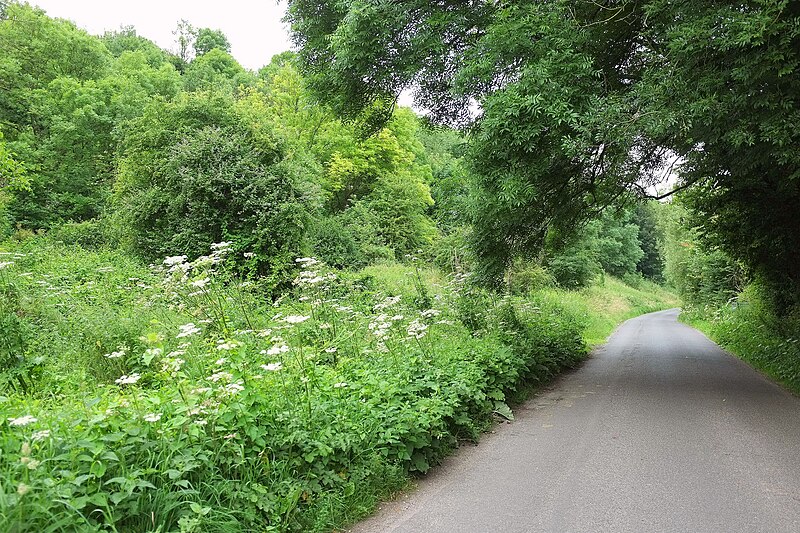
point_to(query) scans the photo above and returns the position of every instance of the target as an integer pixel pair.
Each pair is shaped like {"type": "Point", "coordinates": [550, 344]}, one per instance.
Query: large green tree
{"type": "Point", "coordinates": [577, 104]}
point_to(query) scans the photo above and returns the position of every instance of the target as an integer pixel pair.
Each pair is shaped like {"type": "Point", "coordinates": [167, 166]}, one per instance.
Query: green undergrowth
{"type": "Point", "coordinates": [609, 302]}
{"type": "Point", "coordinates": [180, 398]}
{"type": "Point", "coordinates": [748, 328]}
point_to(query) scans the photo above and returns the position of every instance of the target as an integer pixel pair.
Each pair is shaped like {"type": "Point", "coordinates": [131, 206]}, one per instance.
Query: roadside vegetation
{"type": "Point", "coordinates": [180, 398]}
{"type": "Point", "coordinates": [750, 315]}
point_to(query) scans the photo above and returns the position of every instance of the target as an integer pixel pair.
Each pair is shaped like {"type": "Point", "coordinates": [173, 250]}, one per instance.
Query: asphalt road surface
{"type": "Point", "coordinates": [660, 430]}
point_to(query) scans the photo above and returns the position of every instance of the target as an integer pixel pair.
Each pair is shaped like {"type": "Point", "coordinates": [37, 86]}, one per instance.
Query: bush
{"type": "Point", "coordinates": [574, 270]}
{"type": "Point", "coordinates": [335, 244]}
{"type": "Point", "coordinates": [523, 277]}
{"type": "Point", "coordinates": [194, 174]}
{"type": "Point", "coordinates": [88, 234]}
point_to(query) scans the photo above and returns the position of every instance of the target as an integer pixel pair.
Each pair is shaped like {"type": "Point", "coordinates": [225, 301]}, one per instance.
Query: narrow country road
{"type": "Point", "coordinates": [659, 431]}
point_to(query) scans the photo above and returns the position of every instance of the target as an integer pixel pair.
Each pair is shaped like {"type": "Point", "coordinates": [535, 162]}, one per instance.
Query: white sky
{"type": "Point", "coordinates": [254, 28]}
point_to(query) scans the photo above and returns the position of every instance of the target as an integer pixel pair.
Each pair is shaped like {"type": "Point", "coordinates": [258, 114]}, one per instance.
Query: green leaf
{"type": "Point", "coordinates": [502, 409]}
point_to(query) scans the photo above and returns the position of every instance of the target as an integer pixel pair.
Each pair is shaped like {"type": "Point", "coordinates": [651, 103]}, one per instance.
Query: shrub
{"type": "Point", "coordinates": [88, 234]}
{"type": "Point", "coordinates": [574, 270]}
{"type": "Point", "coordinates": [194, 174]}
{"type": "Point", "coordinates": [523, 277]}
{"type": "Point", "coordinates": [335, 244]}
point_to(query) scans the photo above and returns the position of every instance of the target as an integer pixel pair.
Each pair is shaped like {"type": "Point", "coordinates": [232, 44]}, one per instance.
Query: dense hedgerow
{"type": "Point", "coordinates": [197, 405]}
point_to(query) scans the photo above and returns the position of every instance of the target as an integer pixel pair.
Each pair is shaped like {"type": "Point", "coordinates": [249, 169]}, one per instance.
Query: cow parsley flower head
{"type": "Point", "coordinates": [221, 246]}
{"type": "Point", "coordinates": [40, 435]}
{"type": "Point", "coordinates": [221, 376]}
{"type": "Point", "coordinates": [120, 352]}
{"type": "Point", "coordinates": [175, 260]}
{"type": "Point", "coordinates": [233, 388]}
{"type": "Point", "coordinates": [128, 380]}
{"type": "Point", "coordinates": [386, 303]}
{"type": "Point", "coordinates": [272, 367]}
{"type": "Point", "coordinates": [187, 330]}
{"type": "Point", "coordinates": [22, 421]}
{"type": "Point", "coordinates": [152, 417]}
{"type": "Point", "coordinates": [228, 345]}
{"type": "Point", "coordinates": [200, 283]}
{"type": "Point", "coordinates": [295, 319]}
{"type": "Point", "coordinates": [278, 349]}
{"type": "Point", "coordinates": [417, 329]}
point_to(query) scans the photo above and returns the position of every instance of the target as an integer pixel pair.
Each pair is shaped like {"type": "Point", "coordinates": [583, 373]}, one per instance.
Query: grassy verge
{"type": "Point", "coordinates": [752, 332]}
{"type": "Point", "coordinates": [605, 305]}
{"type": "Point", "coordinates": [179, 399]}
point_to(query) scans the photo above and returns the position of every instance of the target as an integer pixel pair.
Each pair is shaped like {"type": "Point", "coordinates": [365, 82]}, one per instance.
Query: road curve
{"type": "Point", "coordinates": [660, 430]}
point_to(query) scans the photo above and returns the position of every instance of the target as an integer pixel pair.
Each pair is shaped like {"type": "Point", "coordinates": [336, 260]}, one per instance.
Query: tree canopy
{"type": "Point", "coordinates": [579, 105]}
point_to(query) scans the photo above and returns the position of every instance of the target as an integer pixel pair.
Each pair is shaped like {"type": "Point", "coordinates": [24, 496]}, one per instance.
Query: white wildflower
{"type": "Point", "coordinates": [228, 345]}
{"type": "Point", "coordinates": [22, 421]}
{"type": "Point", "coordinates": [306, 261]}
{"type": "Point", "coordinates": [175, 260]}
{"type": "Point", "coordinates": [431, 313]}
{"type": "Point", "coordinates": [205, 261]}
{"type": "Point", "coordinates": [221, 361]}
{"type": "Point", "coordinates": [221, 376]}
{"type": "Point", "coordinates": [417, 329]}
{"type": "Point", "coordinates": [128, 380]}
{"type": "Point", "coordinates": [187, 330]}
{"type": "Point", "coordinates": [152, 417]}
{"type": "Point", "coordinates": [272, 367]}
{"type": "Point", "coordinates": [40, 435]}
{"type": "Point", "coordinates": [6, 264]}
{"type": "Point", "coordinates": [339, 385]}
{"type": "Point", "coordinates": [295, 319]}
{"type": "Point", "coordinates": [33, 464]}
{"type": "Point", "coordinates": [221, 246]}
{"type": "Point", "coordinates": [172, 365]}
{"type": "Point", "coordinates": [120, 352]}
{"type": "Point", "coordinates": [200, 283]}
{"type": "Point", "coordinates": [387, 302]}
{"type": "Point", "coordinates": [249, 255]}
{"type": "Point", "coordinates": [152, 353]}
{"type": "Point", "coordinates": [23, 489]}
{"type": "Point", "coordinates": [234, 388]}
{"type": "Point", "coordinates": [278, 349]}
{"type": "Point", "coordinates": [332, 349]}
